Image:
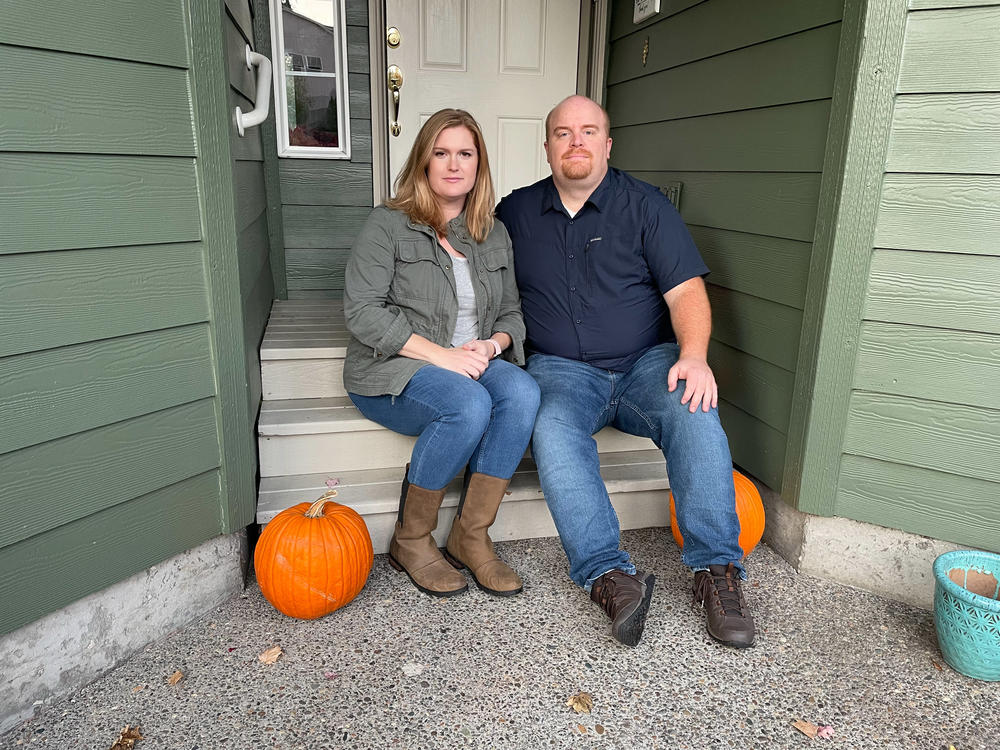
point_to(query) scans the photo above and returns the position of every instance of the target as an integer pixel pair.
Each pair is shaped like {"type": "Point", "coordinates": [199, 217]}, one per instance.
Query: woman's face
{"type": "Point", "coordinates": [453, 165]}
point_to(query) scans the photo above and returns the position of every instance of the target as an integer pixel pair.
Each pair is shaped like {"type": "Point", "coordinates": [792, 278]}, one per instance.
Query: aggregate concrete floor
{"type": "Point", "coordinates": [398, 669]}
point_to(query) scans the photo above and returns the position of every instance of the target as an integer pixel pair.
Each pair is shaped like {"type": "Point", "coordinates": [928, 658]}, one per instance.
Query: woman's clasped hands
{"type": "Point", "coordinates": [471, 359]}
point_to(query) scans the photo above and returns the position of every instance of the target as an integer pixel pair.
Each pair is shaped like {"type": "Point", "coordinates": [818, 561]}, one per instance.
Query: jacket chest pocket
{"type": "Point", "coordinates": [494, 266]}
{"type": "Point", "coordinates": [418, 274]}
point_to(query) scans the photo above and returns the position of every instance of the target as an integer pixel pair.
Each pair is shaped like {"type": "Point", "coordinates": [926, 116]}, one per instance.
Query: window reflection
{"type": "Point", "coordinates": [312, 43]}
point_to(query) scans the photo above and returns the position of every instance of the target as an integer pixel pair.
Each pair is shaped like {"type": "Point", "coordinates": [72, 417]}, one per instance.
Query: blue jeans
{"type": "Point", "coordinates": [577, 401]}
{"type": "Point", "coordinates": [484, 423]}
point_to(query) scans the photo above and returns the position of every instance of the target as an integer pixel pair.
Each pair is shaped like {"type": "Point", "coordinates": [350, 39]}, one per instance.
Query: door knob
{"type": "Point", "coordinates": [394, 79]}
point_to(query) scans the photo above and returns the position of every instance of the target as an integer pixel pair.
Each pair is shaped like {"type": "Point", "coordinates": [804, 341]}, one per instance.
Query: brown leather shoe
{"type": "Point", "coordinates": [412, 549]}
{"type": "Point", "coordinates": [626, 599]}
{"type": "Point", "coordinates": [469, 544]}
{"type": "Point", "coordinates": [728, 617]}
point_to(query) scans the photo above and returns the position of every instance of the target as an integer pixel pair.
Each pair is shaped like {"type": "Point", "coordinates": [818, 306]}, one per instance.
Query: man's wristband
{"type": "Point", "coordinates": [496, 347]}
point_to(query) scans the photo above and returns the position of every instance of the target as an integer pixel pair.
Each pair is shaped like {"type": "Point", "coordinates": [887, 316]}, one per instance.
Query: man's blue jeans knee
{"type": "Point", "coordinates": [577, 400]}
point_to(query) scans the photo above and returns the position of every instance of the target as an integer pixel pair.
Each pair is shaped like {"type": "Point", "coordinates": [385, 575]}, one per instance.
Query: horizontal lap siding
{"type": "Point", "coordinates": [734, 103]}
{"type": "Point", "coordinates": [110, 452]}
{"type": "Point", "coordinates": [923, 431]}
{"type": "Point", "coordinates": [325, 201]}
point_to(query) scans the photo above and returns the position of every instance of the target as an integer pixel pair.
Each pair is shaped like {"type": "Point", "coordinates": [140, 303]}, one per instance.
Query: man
{"type": "Point", "coordinates": [618, 325]}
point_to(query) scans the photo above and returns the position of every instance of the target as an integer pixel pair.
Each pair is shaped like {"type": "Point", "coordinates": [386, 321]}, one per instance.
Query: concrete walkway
{"type": "Point", "coordinates": [398, 669]}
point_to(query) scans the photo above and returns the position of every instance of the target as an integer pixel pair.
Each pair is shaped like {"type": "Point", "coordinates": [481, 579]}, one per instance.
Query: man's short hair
{"type": "Point", "coordinates": [607, 117]}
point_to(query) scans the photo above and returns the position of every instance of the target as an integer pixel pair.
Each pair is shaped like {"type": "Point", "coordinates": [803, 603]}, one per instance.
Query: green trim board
{"type": "Point", "coordinates": [92, 553]}
{"type": "Point", "coordinates": [214, 123]}
{"type": "Point", "coordinates": [861, 115]}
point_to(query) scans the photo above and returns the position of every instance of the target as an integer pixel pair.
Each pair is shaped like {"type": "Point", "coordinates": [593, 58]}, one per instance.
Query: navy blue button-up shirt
{"type": "Point", "coordinates": [592, 284]}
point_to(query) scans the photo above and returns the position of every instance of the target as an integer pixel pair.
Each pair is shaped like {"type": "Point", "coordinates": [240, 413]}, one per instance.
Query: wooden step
{"type": "Point", "coordinates": [307, 436]}
{"type": "Point", "coordinates": [636, 481]}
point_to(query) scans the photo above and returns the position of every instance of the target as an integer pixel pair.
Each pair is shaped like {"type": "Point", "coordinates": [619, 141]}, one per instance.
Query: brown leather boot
{"type": "Point", "coordinates": [625, 598]}
{"type": "Point", "coordinates": [412, 548]}
{"type": "Point", "coordinates": [728, 617]}
{"type": "Point", "coordinates": [469, 546]}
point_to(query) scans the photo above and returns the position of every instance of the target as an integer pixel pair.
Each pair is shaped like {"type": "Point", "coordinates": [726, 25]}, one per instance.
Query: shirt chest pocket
{"type": "Point", "coordinates": [418, 274]}
{"type": "Point", "coordinates": [494, 266]}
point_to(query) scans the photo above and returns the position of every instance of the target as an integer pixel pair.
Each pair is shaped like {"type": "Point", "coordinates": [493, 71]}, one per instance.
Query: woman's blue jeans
{"type": "Point", "coordinates": [577, 401]}
{"type": "Point", "coordinates": [485, 423]}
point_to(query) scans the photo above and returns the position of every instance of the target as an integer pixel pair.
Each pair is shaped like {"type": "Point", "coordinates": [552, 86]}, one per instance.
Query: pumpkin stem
{"type": "Point", "coordinates": [316, 509]}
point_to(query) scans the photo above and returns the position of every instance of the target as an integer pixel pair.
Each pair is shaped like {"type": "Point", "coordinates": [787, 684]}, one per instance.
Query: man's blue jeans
{"type": "Point", "coordinates": [577, 401]}
{"type": "Point", "coordinates": [484, 423]}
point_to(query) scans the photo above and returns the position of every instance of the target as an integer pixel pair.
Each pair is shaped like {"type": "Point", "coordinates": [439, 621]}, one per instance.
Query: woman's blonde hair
{"type": "Point", "coordinates": [414, 196]}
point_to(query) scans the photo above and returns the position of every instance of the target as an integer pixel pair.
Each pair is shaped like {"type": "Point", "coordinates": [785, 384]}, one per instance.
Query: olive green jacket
{"type": "Point", "coordinates": [399, 282]}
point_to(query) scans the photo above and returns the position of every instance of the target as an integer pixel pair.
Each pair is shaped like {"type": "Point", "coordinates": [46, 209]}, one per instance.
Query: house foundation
{"type": "Point", "coordinates": [70, 648]}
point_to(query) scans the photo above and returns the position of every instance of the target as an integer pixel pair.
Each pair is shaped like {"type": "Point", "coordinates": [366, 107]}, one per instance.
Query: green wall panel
{"type": "Point", "coordinates": [53, 483]}
{"type": "Point", "coordinates": [317, 268]}
{"type": "Point", "coordinates": [945, 133]}
{"type": "Point", "coordinates": [757, 387]}
{"type": "Point", "coordinates": [756, 326]}
{"type": "Point", "coordinates": [67, 297]}
{"type": "Point", "coordinates": [254, 247]}
{"type": "Point", "coordinates": [789, 138]}
{"type": "Point", "coordinates": [325, 182]}
{"type": "Point", "coordinates": [698, 33]}
{"type": "Point", "coordinates": [73, 103]}
{"type": "Point", "coordinates": [620, 21]}
{"type": "Point", "coordinates": [63, 201]}
{"type": "Point", "coordinates": [949, 213]}
{"type": "Point", "coordinates": [942, 506]}
{"type": "Point", "coordinates": [249, 193]}
{"type": "Point", "coordinates": [934, 435]}
{"type": "Point", "coordinates": [145, 30]}
{"type": "Point", "coordinates": [951, 50]}
{"type": "Point", "coordinates": [57, 392]}
{"type": "Point", "coordinates": [758, 76]}
{"type": "Point", "coordinates": [771, 268]}
{"type": "Point", "coordinates": [756, 447]}
{"type": "Point", "coordinates": [51, 570]}
{"type": "Point", "coordinates": [323, 226]}
{"type": "Point", "coordinates": [935, 289]}
{"type": "Point", "coordinates": [249, 147]}
{"type": "Point", "coordinates": [927, 363]}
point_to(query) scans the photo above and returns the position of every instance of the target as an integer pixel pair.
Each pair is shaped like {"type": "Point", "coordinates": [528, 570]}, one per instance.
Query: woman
{"type": "Point", "coordinates": [431, 304]}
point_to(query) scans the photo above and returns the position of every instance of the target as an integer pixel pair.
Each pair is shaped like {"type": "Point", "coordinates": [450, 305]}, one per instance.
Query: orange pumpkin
{"type": "Point", "coordinates": [312, 559]}
{"type": "Point", "coordinates": [749, 508]}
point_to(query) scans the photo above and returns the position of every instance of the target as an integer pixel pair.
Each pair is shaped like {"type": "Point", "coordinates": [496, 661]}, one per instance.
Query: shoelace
{"type": "Point", "coordinates": [726, 587]}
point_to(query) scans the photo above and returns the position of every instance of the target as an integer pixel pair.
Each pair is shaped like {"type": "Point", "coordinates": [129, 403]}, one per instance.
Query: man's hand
{"type": "Point", "coordinates": [463, 361]}
{"type": "Point", "coordinates": [700, 387]}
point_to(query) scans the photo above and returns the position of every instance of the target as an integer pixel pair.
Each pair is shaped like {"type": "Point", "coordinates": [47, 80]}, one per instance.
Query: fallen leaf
{"type": "Point", "coordinates": [582, 728]}
{"type": "Point", "coordinates": [598, 728]}
{"type": "Point", "coordinates": [175, 677]}
{"type": "Point", "coordinates": [271, 655]}
{"type": "Point", "coordinates": [331, 483]}
{"type": "Point", "coordinates": [807, 728]}
{"type": "Point", "coordinates": [331, 675]}
{"type": "Point", "coordinates": [937, 666]}
{"type": "Point", "coordinates": [581, 702]}
{"type": "Point", "coordinates": [137, 688]}
{"type": "Point", "coordinates": [825, 731]}
{"type": "Point", "coordinates": [127, 738]}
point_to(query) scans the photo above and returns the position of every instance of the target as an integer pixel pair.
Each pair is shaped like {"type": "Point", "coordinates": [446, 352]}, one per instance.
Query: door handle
{"type": "Point", "coordinates": [394, 78]}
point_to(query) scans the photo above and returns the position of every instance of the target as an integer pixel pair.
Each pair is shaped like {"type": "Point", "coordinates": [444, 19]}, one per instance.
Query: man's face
{"type": "Point", "coordinates": [578, 145]}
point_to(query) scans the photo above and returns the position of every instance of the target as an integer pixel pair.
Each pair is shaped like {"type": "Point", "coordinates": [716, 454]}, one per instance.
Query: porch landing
{"type": "Point", "coordinates": [309, 431]}
{"type": "Point", "coordinates": [398, 669]}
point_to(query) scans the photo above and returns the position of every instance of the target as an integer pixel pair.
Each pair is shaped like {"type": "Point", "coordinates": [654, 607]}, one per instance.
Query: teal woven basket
{"type": "Point", "coordinates": [967, 622]}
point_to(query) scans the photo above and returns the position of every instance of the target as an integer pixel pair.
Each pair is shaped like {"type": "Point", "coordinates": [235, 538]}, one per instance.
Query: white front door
{"type": "Point", "coordinates": [508, 62]}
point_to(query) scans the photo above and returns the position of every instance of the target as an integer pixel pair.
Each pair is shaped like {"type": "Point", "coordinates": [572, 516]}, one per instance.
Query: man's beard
{"type": "Point", "coordinates": [577, 169]}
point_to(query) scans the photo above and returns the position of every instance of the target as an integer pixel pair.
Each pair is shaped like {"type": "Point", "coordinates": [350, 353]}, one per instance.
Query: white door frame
{"type": "Point", "coordinates": [590, 77]}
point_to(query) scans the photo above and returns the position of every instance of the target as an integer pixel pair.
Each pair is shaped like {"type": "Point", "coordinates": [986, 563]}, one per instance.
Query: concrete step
{"type": "Point", "coordinates": [636, 481]}
{"type": "Point", "coordinates": [307, 436]}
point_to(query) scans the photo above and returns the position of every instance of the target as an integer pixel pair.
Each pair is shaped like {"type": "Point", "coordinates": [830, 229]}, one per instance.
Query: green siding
{"type": "Point", "coordinates": [923, 420]}
{"type": "Point", "coordinates": [122, 370]}
{"type": "Point", "coordinates": [325, 201]}
{"type": "Point", "coordinates": [734, 102]}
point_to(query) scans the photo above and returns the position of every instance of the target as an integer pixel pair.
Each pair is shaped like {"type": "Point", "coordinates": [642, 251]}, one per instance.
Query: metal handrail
{"type": "Point", "coordinates": [259, 113]}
